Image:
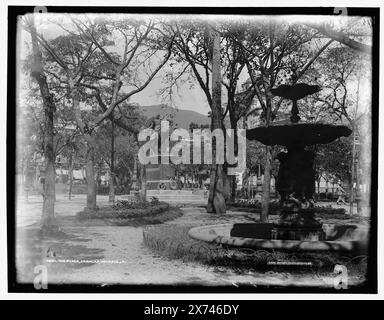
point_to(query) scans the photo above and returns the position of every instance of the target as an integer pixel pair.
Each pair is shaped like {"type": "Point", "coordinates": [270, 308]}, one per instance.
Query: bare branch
{"type": "Point", "coordinates": [341, 37]}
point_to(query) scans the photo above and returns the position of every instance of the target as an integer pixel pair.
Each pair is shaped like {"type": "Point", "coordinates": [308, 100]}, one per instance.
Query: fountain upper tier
{"type": "Point", "coordinates": [298, 134]}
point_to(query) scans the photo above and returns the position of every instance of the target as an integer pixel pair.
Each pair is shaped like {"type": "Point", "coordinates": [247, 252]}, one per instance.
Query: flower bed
{"type": "Point", "coordinates": [133, 213]}
{"type": "Point", "coordinates": [110, 213]}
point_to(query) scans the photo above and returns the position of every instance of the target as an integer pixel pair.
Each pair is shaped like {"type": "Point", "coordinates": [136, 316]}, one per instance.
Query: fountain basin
{"type": "Point", "coordinates": [298, 134]}
{"type": "Point", "coordinates": [257, 236]}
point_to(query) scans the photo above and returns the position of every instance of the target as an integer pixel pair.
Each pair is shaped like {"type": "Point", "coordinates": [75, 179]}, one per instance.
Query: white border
{"type": "Point", "coordinates": [136, 296]}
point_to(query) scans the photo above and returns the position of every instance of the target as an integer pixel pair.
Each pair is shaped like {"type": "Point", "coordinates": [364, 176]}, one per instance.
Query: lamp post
{"type": "Point", "coordinates": [354, 160]}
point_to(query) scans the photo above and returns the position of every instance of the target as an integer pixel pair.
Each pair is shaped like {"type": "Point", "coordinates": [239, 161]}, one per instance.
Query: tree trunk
{"type": "Point", "coordinates": [112, 168]}
{"type": "Point", "coordinates": [266, 186]}
{"type": "Point", "coordinates": [90, 173]}
{"type": "Point", "coordinates": [37, 176]}
{"type": "Point", "coordinates": [232, 179]}
{"type": "Point", "coordinates": [143, 183]}
{"type": "Point", "coordinates": [49, 181]}
{"type": "Point", "coordinates": [354, 173]}
{"type": "Point", "coordinates": [48, 214]}
{"type": "Point", "coordinates": [90, 157]}
{"type": "Point", "coordinates": [111, 197]}
{"type": "Point", "coordinates": [233, 189]}
{"type": "Point", "coordinates": [267, 168]}
{"type": "Point", "coordinates": [358, 190]}
{"type": "Point", "coordinates": [216, 198]}
{"type": "Point", "coordinates": [219, 183]}
{"type": "Point", "coordinates": [70, 175]}
{"type": "Point", "coordinates": [24, 179]}
{"type": "Point", "coordinates": [318, 188]}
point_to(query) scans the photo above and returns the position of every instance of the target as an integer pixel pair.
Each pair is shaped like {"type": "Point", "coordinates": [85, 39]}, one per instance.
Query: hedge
{"type": "Point", "coordinates": [275, 207]}
{"type": "Point", "coordinates": [116, 212]}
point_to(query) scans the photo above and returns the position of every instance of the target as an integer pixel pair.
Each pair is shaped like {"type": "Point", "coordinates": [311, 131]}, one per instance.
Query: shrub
{"type": "Point", "coordinates": [275, 207]}
{"type": "Point", "coordinates": [155, 201]}
{"type": "Point", "coordinates": [126, 209]}
{"type": "Point", "coordinates": [330, 211]}
{"type": "Point", "coordinates": [253, 205]}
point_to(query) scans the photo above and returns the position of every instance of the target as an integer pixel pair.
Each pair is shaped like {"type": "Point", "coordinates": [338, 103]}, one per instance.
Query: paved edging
{"type": "Point", "coordinates": [209, 234]}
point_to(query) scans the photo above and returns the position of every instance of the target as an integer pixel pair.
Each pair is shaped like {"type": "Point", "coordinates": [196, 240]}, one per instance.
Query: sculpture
{"type": "Point", "coordinates": [296, 177]}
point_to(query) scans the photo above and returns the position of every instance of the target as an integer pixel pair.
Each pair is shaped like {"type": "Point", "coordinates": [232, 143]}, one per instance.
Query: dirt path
{"type": "Point", "coordinates": [116, 255]}
{"type": "Point", "coordinates": [123, 257]}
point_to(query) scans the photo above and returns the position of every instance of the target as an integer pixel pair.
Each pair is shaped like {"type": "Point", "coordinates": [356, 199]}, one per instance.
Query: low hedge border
{"type": "Point", "coordinates": [112, 215]}
{"type": "Point", "coordinates": [108, 212]}
{"type": "Point", "coordinates": [275, 207]}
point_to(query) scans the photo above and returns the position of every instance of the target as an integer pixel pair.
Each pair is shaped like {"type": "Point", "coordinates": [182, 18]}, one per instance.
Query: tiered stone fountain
{"type": "Point", "coordinates": [297, 227]}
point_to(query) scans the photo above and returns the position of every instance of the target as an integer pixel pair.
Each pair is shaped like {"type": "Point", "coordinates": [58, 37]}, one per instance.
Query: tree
{"type": "Point", "coordinates": [193, 45]}
{"type": "Point", "coordinates": [271, 52]}
{"type": "Point", "coordinates": [198, 44]}
{"type": "Point", "coordinates": [239, 102]}
{"type": "Point", "coordinates": [335, 72]}
{"type": "Point", "coordinates": [334, 159]}
{"type": "Point", "coordinates": [342, 37]}
{"type": "Point", "coordinates": [340, 73]}
{"type": "Point", "coordinates": [116, 148]}
{"type": "Point", "coordinates": [275, 52]}
{"type": "Point", "coordinates": [84, 63]}
{"type": "Point", "coordinates": [48, 215]}
{"type": "Point", "coordinates": [216, 198]}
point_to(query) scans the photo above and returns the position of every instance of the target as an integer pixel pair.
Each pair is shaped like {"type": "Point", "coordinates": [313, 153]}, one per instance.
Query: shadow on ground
{"type": "Point", "coordinates": [35, 248]}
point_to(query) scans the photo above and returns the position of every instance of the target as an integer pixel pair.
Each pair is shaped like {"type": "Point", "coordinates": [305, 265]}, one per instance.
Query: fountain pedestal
{"type": "Point", "coordinates": [298, 224]}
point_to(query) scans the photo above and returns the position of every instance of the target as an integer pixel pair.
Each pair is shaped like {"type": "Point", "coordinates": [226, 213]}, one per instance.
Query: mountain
{"type": "Point", "coordinates": [181, 117]}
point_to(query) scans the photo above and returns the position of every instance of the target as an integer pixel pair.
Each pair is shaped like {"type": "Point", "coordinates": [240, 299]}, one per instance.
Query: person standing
{"type": "Point", "coordinates": [341, 195]}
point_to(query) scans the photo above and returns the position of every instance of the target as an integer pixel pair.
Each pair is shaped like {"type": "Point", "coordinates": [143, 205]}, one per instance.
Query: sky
{"type": "Point", "coordinates": [186, 97]}
{"type": "Point", "coordinates": [189, 98]}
